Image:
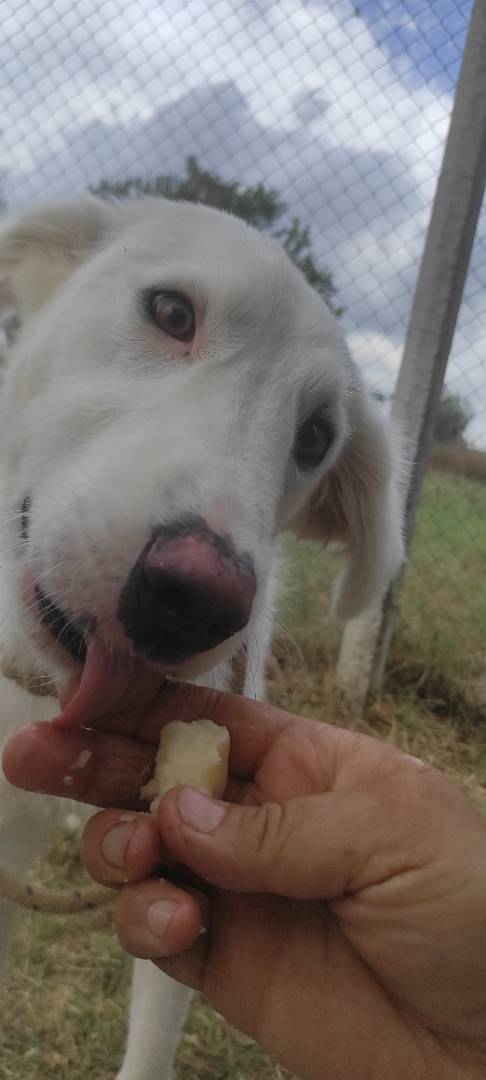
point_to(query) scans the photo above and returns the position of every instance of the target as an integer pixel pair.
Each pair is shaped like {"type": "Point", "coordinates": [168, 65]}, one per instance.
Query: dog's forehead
{"type": "Point", "coordinates": [258, 314]}
{"type": "Point", "coordinates": [171, 229]}
{"type": "Point", "coordinates": [225, 258]}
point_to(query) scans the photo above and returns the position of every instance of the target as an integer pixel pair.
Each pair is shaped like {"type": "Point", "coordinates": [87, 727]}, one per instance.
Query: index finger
{"type": "Point", "coordinates": [107, 764]}
{"type": "Point", "coordinates": [252, 725]}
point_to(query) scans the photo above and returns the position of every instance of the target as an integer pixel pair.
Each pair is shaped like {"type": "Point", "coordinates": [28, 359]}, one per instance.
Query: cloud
{"type": "Point", "coordinates": [424, 41]}
{"type": "Point", "coordinates": [309, 105]}
{"type": "Point", "coordinates": [344, 109]}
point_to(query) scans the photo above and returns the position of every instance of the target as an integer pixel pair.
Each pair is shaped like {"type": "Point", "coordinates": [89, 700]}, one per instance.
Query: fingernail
{"type": "Point", "coordinates": [416, 760]}
{"type": "Point", "coordinates": [199, 811]}
{"type": "Point", "coordinates": [115, 843]}
{"type": "Point", "coordinates": [160, 915]}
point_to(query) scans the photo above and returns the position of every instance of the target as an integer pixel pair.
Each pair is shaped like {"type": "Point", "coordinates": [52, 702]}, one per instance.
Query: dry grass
{"type": "Point", "coordinates": [457, 457]}
{"type": "Point", "coordinates": [64, 1013]}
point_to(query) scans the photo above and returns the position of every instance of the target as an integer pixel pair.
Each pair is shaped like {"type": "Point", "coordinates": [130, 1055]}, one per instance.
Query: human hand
{"type": "Point", "coordinates": [342, 884]}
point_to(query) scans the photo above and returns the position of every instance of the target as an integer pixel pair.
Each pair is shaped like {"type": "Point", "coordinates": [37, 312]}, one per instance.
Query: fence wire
{"type": "Point", "coordinates": [342, 108]}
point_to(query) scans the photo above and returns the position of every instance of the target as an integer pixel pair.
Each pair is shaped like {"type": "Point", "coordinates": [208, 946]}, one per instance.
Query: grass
{"type": "Point", "coordinates": [441, 625]}
{"type": "Point", "coordinates": [443, 613]}
{"type": "Point", "coordinates": [64, 1013]}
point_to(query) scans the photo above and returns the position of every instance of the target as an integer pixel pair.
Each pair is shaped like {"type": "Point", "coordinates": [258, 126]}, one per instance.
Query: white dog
{"type": "Point", "coordinates": [176, 397]}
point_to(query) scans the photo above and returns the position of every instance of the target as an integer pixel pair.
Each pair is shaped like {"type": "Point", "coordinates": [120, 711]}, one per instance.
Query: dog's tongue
{"type": "Point", "coordinates": [111, 682]}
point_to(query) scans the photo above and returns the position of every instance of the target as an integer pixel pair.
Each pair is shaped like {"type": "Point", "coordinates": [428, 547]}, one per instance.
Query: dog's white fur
{"type": "Point", "coordinates": [112, 427]}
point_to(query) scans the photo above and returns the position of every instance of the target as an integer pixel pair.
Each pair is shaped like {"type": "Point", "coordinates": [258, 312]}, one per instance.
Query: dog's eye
{"type": "Point", "coordinates": [312, 441]}
{"type": "Point", "coordinates": [174, 314]}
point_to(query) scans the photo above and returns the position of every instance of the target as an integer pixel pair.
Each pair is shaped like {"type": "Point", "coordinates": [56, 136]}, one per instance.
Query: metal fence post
{"type": "Point", "coordinates": [431, 327]}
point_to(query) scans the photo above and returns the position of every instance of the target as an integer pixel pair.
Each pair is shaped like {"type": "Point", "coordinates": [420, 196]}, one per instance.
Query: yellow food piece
{"type": "Point", "coordinates": [195, 754]}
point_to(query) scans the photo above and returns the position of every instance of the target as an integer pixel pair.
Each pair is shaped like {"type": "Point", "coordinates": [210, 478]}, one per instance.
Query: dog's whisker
{"type": "Point", "coordinates": [287, 640]}
{"type": "Point", "coordinates": [16, 548]}
{"type": "Point", "coordinates": [49, 495]}
{"type": "Point", "coordinates": [49, 570]}
{"type": "Point", "coordinates": [9, 516]}
{"type": "Point", "coordinates": [255, 667]}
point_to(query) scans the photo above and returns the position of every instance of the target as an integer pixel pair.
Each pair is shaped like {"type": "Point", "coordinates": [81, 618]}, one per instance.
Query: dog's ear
{"type": "Point", "coordinates": [40, 250]}
{"type": "Point", "coordinates": [358, 505]}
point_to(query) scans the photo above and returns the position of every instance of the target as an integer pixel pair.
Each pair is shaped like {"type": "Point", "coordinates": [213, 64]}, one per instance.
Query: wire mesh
{"type": "Point", "coordinates": [340, 107]}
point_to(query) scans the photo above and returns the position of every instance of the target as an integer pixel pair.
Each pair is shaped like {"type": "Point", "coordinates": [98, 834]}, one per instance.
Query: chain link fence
{"type": "Point", "coordinates": [340, 108]}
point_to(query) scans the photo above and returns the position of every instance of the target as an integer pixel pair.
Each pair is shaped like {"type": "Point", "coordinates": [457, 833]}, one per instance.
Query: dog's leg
{"type": "Point", "coordinates": [24, 831]}
{"type": "Point", "coordinates": [26, 821]}
{"type": "Point", "coordinates": [16, 866]}
{"type": "Point", "coordinates": [259, 643]}
{"type": "Point", "coordinates": [158, 1010]}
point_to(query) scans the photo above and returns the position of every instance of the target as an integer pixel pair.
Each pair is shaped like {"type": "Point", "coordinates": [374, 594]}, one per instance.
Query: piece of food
{"type": "Point", "coordinates": [195, 754]}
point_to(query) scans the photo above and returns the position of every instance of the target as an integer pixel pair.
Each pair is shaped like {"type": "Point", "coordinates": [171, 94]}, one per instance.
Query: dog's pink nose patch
{"type": "Point", "coordinates": [186, 594]}
{"type": "Point", "coordinates": [204, 565]}
{"type": "Point", "coordinates": [189, 591]}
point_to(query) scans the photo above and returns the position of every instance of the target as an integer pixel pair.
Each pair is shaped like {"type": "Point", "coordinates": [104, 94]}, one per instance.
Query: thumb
{"type": "Point", "coordinates": [306, 848]}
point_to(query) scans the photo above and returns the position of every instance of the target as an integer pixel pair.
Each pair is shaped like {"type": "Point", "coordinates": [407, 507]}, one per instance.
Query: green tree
{"type": "Point", "coordinates": [453, 416]}
{"type": "Point", "coordinates": [258, 205]}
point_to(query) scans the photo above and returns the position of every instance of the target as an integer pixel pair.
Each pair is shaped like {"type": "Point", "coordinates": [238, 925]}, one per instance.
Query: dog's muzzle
{"type": "Point", "coordinates": [72, 634]}
{"type": "Point", "coordinates": [188, 591]}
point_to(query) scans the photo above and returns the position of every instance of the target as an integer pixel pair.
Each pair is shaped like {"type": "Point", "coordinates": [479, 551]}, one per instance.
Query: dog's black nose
{"type": "Point", "coordinates": [188, 592]}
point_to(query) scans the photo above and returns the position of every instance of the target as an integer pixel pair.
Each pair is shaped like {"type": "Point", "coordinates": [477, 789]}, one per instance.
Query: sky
{"type": "Point", "coordinates": [343, 107]}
